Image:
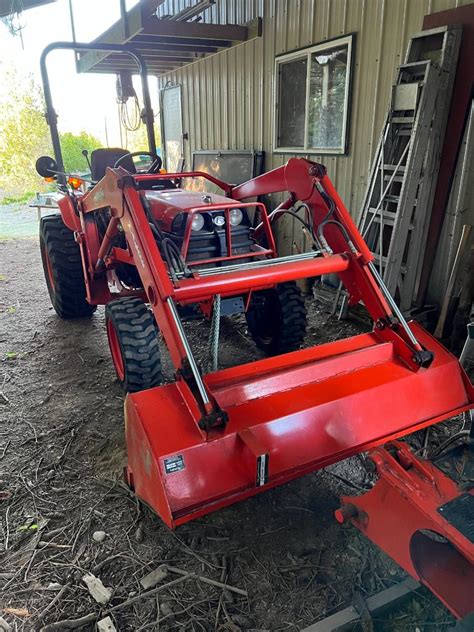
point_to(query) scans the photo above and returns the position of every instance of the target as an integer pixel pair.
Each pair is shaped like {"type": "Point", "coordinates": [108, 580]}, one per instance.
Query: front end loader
{"type": "Point", "coordinates": [156, 253]}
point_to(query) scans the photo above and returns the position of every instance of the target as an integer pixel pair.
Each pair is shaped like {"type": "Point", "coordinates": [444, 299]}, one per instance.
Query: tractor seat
{"type": "Point", "coordinates": [107, 157]}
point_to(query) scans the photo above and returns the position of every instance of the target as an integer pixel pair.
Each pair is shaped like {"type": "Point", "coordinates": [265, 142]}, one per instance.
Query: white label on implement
{"type": "Point", "coordinates": [174, 464]}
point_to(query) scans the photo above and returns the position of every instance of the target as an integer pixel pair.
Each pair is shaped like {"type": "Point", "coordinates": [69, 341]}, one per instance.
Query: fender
{"type": "Point", "coordinates": [68, 213]}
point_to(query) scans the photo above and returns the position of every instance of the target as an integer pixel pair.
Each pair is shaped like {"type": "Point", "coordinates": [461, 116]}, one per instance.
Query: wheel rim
{"type": "Point", "coordinates": [49, 271]}
{"type": "Point", "coordinates": [115, 350]}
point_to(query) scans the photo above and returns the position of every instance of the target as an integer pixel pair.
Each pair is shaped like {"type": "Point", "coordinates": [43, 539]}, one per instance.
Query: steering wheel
{"type": "Point", "coordinates": [155, 165]}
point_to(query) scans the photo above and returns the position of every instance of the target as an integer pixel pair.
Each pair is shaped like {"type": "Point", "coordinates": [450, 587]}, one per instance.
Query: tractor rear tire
{"type": "Point", "coordinates": [276, 319]}
{"type": "Point", "coordinates": [62, 267]}
{"type": "Point", "coordinates": [134, 344]}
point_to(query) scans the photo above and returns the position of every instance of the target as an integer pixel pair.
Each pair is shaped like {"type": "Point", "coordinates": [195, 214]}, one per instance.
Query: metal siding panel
{"type": "Point", "coordinates": [223, 79]}
{"type": "Point", "coordinates": [241, 88]}
{"type": "Point", "coordinates": [228, 99]}
{"type": "Point", "coordinates": [194, 99]}
{"type": "Point", "coordinates": [232, 100]}
{"type": "Point", "coordinates": [216, 100]}
{"type": "Point", "coordinates": [308, 12]}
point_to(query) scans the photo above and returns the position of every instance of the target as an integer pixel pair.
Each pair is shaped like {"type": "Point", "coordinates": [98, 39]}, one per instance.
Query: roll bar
{"type": "Point", "coordinates": [52, 117]}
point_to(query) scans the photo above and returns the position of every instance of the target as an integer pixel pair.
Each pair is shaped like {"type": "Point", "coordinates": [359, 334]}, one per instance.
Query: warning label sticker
{"type": "Point", "coordinates": [174, 464]}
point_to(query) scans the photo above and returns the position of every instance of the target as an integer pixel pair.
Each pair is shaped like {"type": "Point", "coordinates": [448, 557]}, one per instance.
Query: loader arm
{"type": "Point", "coordinates": [308, 182]}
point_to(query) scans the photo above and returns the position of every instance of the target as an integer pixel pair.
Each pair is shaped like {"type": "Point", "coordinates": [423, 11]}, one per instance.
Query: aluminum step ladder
{"type": "Point", "coordinates": [396, 210]}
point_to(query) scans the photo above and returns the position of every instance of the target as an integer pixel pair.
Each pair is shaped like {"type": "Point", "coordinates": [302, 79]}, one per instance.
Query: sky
{"type": "Point", "coordinates": [84, 102]}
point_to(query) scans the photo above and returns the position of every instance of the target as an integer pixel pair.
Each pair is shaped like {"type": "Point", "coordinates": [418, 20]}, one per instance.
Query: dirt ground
{"type": "Point", "coordinates": [61, 458]}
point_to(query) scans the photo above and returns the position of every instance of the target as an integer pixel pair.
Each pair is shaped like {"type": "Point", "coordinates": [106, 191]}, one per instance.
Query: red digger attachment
{"type": "Point", "coordinates": [421, 513]}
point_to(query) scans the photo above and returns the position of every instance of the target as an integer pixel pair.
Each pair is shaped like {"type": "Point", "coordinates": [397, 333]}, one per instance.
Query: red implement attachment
{"type": "Point", "coordinates": [167, 253]}
{"type": "Point", "coordinates": [206, 441]}
{"type": "Point", "coordinates": [288, 415]}
{"type": "Point", "coordinates": [423, 519]}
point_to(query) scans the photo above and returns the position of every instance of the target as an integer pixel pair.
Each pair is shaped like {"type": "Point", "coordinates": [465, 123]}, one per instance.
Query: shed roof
{"type": "Point", "coordinates": [8, 7]}
{"type": "Point", "coordinates": [165, 44]}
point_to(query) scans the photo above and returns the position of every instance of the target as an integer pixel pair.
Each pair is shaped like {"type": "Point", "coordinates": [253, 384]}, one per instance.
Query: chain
{"type": "Point", "coordinates": [214, 333]}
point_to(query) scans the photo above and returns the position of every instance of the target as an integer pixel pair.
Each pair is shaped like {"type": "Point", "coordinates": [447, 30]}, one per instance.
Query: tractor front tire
{"type": "Point", "coordinates": [276, 319]}
{"type": "Point", "coordinates": [134, 344]}
{"type": "Point", "coordinates": [62, 267]}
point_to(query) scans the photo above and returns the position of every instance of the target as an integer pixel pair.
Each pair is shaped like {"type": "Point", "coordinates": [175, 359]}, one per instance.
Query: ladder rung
{"type": "Point", "coordinates": [400, 168]}
{"type": "Point", "coordinates": [404, 132]}
{"type": "Point", "coordinates": [393, 178]}
{"type": "Point", "coordinates": [386, 213]}
{"type": "Point", "coordinates": [407, 120]}
{"type": "Point", "coordinates": [388, 217]}
{"type": "Point", "coordinates": [388, 221]}
{"type": "Point", "coordinates": [394, 199]}
{"type": "Point", "coordinates": [413, 66]}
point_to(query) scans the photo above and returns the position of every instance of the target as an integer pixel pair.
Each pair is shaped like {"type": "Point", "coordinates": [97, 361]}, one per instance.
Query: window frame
{"type": "Point", "coordinates": [303, 53]}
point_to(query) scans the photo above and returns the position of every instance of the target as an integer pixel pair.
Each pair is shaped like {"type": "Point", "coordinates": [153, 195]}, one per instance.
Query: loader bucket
{"type": "Point", "coordinates": [288, 416]}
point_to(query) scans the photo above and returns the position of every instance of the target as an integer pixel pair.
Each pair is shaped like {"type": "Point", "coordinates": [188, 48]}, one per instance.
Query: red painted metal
{"type": "Point", "coordinates": [256, 252]}
{"type": "Point", "coordinates": [400, 514]}
{"type": "Point", "coordinates": [179, 176]}
{"type": "Point", "coordinates": [115, 350]}
{"type": "Point", "coordinates": [106, 243]}
{"type": "Point", "coordinates": [68, 213]}
{"type": "Point", "coordinates": [227, 207]}
{"type": "Point", "coordinates": [287, 415]}
{"type": "Point", "coordinates": [232, 283]}
{"type": "Point", "coordinates": [306, 409]}
{"type": "Point", "coordinates": [49, 269]}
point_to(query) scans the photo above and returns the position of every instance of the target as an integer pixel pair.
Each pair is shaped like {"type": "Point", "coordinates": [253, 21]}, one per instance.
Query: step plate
{"type": "Point", "coordinates": [460, 513]}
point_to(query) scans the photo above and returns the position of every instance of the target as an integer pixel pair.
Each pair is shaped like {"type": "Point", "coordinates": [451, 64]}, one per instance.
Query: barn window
{"type": "Point", "coordinates": [312, 98]}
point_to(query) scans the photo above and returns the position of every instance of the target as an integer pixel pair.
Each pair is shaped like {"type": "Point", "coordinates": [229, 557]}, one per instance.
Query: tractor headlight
{"type": "Point", "coordinates": [197, 222]}
{"type": "Point", "coordinates": [236, 216]}
{"type": "Point", "coordinates": [219, 220]}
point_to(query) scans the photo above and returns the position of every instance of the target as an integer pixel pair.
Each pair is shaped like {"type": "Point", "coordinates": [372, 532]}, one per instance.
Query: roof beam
{"type": "Point", "coordinates": [167, 61]}
{"type": "Point", "coordinates": [155, 38]}
{"type": "Point", "coordinates": [118, 33]}
{"type": "Point", "coordinates": [112, 69]}
{"type": "Point", "coordinates": [170, 28]}
{"type": "Point", "coordinates": [7, 7]}
{"type": "Point", "coordinates": [172, 43]}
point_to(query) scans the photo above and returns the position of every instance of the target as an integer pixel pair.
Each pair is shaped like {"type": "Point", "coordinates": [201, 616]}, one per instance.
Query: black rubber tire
{"type": "Point", "coordinates": [276, 319]}
{"type": "Point", "coordinates": [62, 267]}
{"type": "Point", "coordinates": [135, 350]}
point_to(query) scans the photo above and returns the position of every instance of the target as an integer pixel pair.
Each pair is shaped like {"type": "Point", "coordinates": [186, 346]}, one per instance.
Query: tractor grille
{"type": "Point", "coordinates": [210, 245]}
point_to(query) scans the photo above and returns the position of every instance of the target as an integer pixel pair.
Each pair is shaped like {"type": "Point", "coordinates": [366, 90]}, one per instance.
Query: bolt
{"type": "Point", "coordinates": [317, 170]}
{"type": "Point", "coordinates": [370, 465]}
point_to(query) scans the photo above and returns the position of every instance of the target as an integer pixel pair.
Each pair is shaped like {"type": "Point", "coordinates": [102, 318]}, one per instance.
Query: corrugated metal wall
{"type": "Point", "coordinates": [228, 98]}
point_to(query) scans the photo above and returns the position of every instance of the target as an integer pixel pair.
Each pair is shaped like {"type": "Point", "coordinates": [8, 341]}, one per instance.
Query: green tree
{"type": "Point", "coordinates": [138, 140]}
{"type": "Point", "coordinates": [23, 135]}
{"type": "Point", "coordinates": [72, 146]}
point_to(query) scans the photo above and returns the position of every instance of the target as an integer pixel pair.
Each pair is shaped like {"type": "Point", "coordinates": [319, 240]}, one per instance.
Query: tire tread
{"type": "Point", "coordinates": [68, 296]}
{"type": "Point", "coordinates": [137, 334]}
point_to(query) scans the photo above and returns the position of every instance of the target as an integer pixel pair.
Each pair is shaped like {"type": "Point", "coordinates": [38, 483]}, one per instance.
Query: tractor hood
{"type": "Point", "coordinates": [165, 205]}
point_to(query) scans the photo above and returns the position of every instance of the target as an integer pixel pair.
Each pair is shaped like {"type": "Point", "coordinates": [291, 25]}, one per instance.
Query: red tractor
{"type": "Point", "coordinates": [155, 253]}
